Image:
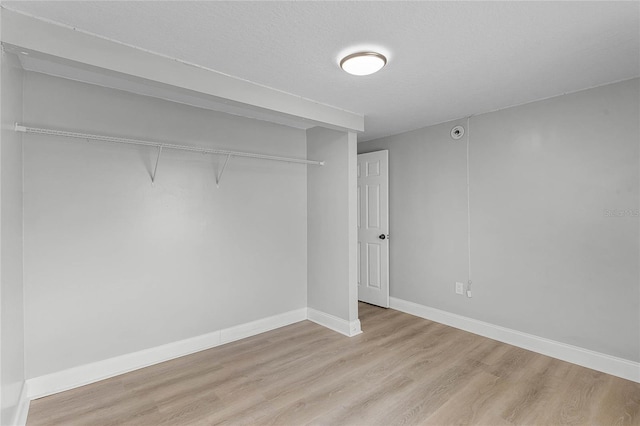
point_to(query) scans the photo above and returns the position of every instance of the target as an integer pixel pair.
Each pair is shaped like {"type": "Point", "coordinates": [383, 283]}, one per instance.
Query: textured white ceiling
{"type": "Point", "coordinates": [446, 59]}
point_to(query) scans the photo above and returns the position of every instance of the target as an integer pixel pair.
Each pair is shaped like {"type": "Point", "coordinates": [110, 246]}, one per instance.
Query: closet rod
{"type": "Point", "coordinates": [37, 130]}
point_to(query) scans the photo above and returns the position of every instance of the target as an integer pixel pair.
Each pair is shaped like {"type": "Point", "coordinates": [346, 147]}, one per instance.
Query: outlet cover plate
{"type": "Point", "coordinates": [459, 288]}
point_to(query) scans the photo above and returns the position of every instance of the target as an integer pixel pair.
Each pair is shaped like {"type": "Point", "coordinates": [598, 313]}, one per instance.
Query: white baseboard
{"type": "Point", "coordinates": [348, 328]}
{"type": "Point", "coordinates": [615, 366]}
{"type": "Point", "coordinates": [249, 329]}
{"type": "Point", "coordinates": [38, 387]}
{"type": "Point", "coordinates": [22, 410]}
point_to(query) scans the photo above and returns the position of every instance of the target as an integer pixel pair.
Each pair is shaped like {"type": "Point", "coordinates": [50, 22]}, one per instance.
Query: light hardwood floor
{"type": "Point", "coordinates": [402, 370]}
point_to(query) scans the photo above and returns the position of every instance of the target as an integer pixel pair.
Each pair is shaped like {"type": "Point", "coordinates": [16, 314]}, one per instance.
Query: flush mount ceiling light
{"type": "Point", "coordinates": [363, 63]}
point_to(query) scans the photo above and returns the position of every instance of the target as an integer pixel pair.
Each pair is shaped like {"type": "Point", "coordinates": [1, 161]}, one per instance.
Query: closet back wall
{"type": "Point", "coordinates": [114, 264]}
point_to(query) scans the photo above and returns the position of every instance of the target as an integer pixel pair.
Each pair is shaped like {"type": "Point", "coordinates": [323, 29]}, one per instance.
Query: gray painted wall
{"type": "Point", "coordinates": [545, 258]}
{"type": "Point", "coordinates": [113, 264]}
{"type": "Point", "coordinates": [11, 280]}
{"type": "Point", "coordinates": [332, 229]}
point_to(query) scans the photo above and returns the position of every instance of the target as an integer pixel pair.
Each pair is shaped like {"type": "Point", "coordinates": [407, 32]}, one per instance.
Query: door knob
{"type": "Point", "coordinates": [383, 236]}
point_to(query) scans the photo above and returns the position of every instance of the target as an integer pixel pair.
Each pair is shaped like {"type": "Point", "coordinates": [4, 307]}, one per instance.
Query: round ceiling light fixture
{"type": "Point", "coordinates": [363, 63]}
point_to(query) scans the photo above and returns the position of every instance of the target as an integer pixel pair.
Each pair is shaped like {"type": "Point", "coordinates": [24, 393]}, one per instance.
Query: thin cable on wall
{"type": "Point", "coordinates": [468, 132]}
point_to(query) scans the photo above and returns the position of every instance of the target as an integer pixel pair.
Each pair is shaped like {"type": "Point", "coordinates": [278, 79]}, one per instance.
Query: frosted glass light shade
{"type": "Point", "coordinates": [363, 63]}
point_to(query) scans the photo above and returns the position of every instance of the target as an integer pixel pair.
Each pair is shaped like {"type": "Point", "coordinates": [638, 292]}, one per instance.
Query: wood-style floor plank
{"type": "Point", "coordinates": [402, 370]}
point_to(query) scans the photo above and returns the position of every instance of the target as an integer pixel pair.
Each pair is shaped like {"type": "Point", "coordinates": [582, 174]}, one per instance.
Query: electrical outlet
{"type": "Point", "coordinates": [459, 288]}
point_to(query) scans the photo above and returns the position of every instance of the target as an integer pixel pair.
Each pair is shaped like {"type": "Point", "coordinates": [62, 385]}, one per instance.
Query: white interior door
{"type": "Point", "coordinates": [373, 228]}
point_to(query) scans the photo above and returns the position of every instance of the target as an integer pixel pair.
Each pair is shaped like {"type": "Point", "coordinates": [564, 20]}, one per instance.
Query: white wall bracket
{"type": "Point", "coordinates": [219, 176]}
{"type": "Point", "coordinates": [155, 169]}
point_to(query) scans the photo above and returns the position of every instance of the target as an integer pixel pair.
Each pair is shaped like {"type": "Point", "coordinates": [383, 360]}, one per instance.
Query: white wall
{"type": "Point", "coordinates": [115, 265]}
{"type": "Point", "coordinates": [332, 232]}
{"type": "Point", "coordinates": [11, 280]}
{"type": "Point", "coordinates": [545, 259]}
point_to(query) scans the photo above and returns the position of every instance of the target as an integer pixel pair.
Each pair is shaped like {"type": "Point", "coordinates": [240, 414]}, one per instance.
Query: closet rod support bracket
{"type": "Point", "coordinates": [155, 169]}
{"type": "Point", "coordinates": [219, 176]}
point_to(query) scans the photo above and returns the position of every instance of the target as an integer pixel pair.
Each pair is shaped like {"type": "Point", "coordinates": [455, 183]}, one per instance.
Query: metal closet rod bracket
{"type": "Point", "coordinates": [155, 169]}
{"type": "Point", "coordinates": [219, 176]}
{"type": "Point", "coordinates": [161, 146]}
